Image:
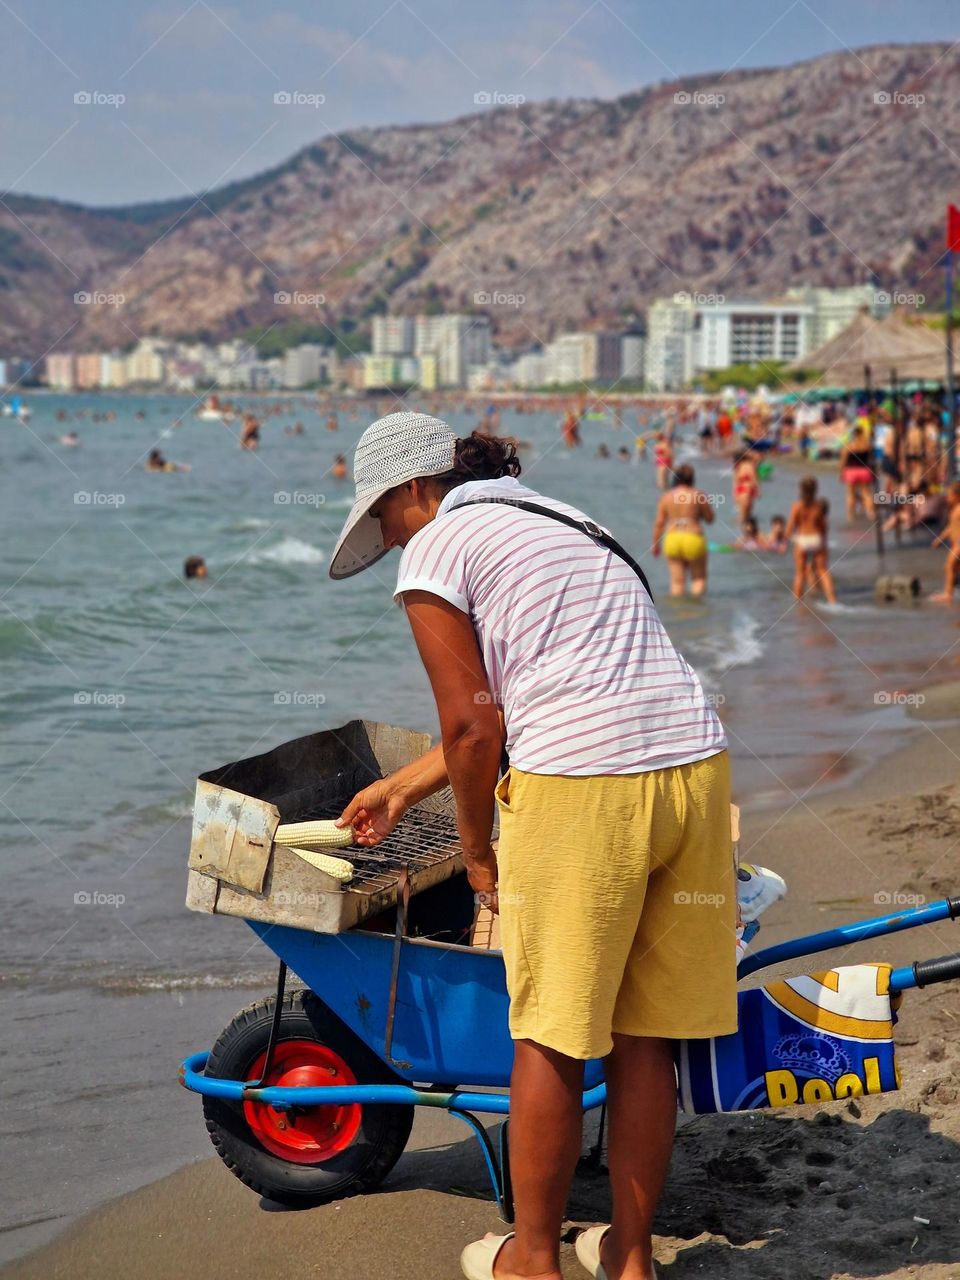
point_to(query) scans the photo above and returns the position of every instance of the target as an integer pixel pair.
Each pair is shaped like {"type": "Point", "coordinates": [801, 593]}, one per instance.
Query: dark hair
{"type": "Point", "coordinates": [683, 474]}
{"type": "Point", "coordinates": [808, 488]}
{"type": "Point", "coordinates": [480, 457]}
{"type": "Point", "coordinates": [777, 520]}
{"type": "Point", "coordinates": [750, 525]}
{"type": "Point", "coordinates": [191, 565]}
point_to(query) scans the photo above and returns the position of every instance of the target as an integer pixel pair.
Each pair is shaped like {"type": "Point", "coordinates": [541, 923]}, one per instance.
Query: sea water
{"type": "Point", "coordinates": [122, 681]}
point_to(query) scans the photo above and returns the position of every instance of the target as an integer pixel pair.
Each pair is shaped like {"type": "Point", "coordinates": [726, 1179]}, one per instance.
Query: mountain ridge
{"type": "Point", "coordinates": [737, 183]}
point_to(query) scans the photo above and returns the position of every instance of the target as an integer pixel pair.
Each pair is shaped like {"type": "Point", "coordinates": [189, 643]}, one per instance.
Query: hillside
{"type": "Point", "coordinates": [586, 209]}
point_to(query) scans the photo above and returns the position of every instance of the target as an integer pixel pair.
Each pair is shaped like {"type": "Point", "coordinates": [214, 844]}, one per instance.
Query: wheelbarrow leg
{"type": "Point", "coordinates": [506, 1184]}
{"type": "Point", "coordinates": [498, 1171]}
{"type": "Point", "coordinates": [592, 1164]}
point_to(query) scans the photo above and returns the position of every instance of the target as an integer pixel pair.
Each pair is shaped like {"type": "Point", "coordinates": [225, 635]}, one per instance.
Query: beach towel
{"type": "Point", "coordinates": [808, 1039]}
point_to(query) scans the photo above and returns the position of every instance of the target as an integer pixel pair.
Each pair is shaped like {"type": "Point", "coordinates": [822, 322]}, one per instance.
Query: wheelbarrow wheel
{"type": "Point", "coordinates": [310, 1155]}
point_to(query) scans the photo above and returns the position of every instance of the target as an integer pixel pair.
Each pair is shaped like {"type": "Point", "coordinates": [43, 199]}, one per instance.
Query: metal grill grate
{"type": "Point", "coordinates": [420, 840]}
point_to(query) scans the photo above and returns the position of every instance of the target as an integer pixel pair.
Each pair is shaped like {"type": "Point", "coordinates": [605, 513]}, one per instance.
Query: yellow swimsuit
{"type": "Point", "coordinates": [684, 544]}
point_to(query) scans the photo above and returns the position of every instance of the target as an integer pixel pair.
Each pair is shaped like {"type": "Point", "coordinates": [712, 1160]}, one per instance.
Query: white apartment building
{"type": "Point", "coordinates": [60, 367]}
{"type": "Point", "coordinates": [632, 356]}
{"type": "Point", "coordinates": [671, 334]}
{"type": "Point", "coordinates": [731, 333]}
{"type": "Point", "coordinates": [457, 341]}
{"type": "Point", "coordinates": [530, 370]}
{"type": "Point", "coordinates": [307, 364]}
{"type": "Point", "coordinates": [392, 336]}
{"type": "Point", "coordinates": [687, 335]}
{"type": "Point", "coordinates": [834, 309]}
{"type": "Point", "coordinates": [568, 359]}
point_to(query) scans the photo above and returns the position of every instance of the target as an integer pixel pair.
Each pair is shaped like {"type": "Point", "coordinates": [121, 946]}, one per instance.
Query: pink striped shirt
{"type": "Point", "coordinates": [573, 647]}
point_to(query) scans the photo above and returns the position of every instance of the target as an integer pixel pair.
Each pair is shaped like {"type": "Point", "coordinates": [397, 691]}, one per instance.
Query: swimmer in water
{"type": "Point", "coordinates": [157, 462]}
{"type": "Point", "coordinates": [681, 514]}
{"type": "Point", "coordinates": [776, 539]}
{"type": "Point", "coordinates": [250, 432]}
{"type": "Point", "coordinates": [749, 539]}
{"type": "Point", "coordinates": [70, 440]}
{"type": "Point", "coordinates": [339, 468]}
{"type": "Point", "coordinates": [194, 567]}
{"type": "Point", "coordinates": [662, 459]}
{"type": "Point", "coordinates": [807, 526]}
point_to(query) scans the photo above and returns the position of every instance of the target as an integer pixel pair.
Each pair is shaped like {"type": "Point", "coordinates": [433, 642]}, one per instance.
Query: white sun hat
{"type": "Point", "coordinates": [394, 449]}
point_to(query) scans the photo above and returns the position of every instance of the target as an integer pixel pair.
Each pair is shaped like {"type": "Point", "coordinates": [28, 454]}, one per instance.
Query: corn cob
{"type": "Point", "coordinates": [314, 835]}
{"type": "Point", "coordinates": [338, 868]}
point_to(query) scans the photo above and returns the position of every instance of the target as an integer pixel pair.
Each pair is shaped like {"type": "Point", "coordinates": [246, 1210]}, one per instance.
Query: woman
{"type": "Point", "coordinates": [856, 472]}
{"type": "Point", "coordinates": [613, 872]}
{"type": "Point", "coordinates": [746, 486]}
{"type": "Point", "coordinates": [807, 525]}
{"type": "Point", "coordinates": [662, 459]}
{"type": "Point", "coordinates": [678, 531]}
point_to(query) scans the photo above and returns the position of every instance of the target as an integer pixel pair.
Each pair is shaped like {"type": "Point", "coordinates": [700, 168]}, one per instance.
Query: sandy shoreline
{"type": "Point", "coordinates": [811, 1193]}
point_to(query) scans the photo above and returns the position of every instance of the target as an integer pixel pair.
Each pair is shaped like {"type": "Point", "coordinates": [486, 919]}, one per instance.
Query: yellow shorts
{"type": "Point", "coordinates": [684, 544]}
{"type": "Point", "coordinates": [618, 905]}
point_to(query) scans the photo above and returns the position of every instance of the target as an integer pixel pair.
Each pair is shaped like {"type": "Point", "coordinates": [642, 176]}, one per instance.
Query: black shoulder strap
{"type": "Point", "coordinates": [588, 527]}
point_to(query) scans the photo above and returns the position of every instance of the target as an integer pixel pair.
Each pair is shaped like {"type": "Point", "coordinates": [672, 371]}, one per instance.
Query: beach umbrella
{"type": "Point", "coordinates": [899, 341]}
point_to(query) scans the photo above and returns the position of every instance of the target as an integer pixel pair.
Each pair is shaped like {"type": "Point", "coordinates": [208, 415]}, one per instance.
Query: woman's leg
{"type": "Point", "coordinates": [799, 572]}
{"type": "Point", "coordinates": [866, 494]}
{"type": "Point", "coordinates": [851, 501]}
{"type": "Point", "coordinates": [546, 1118]}
{"type": "Point", "coordinates": [678, 575]}
{"type": "Point", "coordinates": [823, 577]}
{"type": "Point", "coordinates": [642, 1102]}
{"type": "Point", "coordinates": [698, 576]}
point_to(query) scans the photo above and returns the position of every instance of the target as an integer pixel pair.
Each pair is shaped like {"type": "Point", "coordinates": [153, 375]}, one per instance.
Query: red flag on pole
{"type": "Point", "coordinates": [953, 227]}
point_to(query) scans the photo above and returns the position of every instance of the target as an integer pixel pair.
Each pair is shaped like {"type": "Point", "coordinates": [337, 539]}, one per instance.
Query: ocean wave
{"type": "Point", "coordinates": [138, 983]}
{"type": "Point", "coordinates": [739, 645]}
{"type": "Point", "coordinates": [246, 526]}
{"type": "Point", "coordinates": [289, 550]}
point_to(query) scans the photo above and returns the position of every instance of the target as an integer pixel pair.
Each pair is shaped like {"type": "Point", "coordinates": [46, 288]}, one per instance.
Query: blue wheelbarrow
{"type": "Point", "coordinates": [309, 1095]}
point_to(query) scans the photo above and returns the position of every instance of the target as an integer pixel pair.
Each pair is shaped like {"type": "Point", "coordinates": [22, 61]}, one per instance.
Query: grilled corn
{"type": "Point", "coordinates": [314, 835]}
{"type": "Point", "coordinates": [339, 868]}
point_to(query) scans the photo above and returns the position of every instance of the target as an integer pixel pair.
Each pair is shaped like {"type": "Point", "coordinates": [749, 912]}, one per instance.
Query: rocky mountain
{"type": "Point", "coordinates": [546, 216]}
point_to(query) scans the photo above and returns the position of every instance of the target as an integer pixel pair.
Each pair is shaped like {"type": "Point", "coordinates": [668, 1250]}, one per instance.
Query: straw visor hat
{"type": "Point", "coordinates": [394, 449]}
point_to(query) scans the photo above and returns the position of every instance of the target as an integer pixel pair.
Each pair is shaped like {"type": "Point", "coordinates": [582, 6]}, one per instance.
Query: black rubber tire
{"type": "Point", "coordinates": [384, 1129]}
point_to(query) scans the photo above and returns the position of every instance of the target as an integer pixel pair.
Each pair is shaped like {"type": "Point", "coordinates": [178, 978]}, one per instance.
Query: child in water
{"type": "Point", "coordinates": [776, 539]}
{"type": "Point", "coordinates": [750, 539]}
{"type": "Point", "coordinates": [807, 526]}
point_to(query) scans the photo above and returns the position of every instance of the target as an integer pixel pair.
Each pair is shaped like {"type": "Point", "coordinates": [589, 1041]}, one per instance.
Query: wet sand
{"type": "Point", "coordinates": [810, 1193]}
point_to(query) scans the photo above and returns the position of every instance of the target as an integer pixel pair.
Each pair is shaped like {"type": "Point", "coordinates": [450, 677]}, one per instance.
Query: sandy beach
{"type": "Point", "coordinates": [840, 1191]}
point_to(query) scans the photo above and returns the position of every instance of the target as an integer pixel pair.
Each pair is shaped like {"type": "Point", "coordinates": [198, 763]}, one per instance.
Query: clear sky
{"type": "Point", "coordinates": [198, 79]}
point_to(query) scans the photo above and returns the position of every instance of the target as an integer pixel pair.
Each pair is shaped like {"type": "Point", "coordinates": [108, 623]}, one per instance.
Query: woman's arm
{"type": "Point", "coordinates": [704, 509]}
{"type": "Point", "coordinates": [470, 725]}
{"type": "Point", "coordinates": [658, 524]}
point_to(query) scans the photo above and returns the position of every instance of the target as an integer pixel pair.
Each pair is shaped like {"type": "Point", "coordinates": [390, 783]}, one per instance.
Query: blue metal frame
{"type": "Point", "coordinates": [457, 999]}
{"type": "Point", "coordinates": [845, 934]}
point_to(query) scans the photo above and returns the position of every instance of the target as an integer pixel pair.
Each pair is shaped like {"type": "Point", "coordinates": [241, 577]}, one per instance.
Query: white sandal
{"type": "Point", "coordinates": [588, 1250]}
{"type": "Point", "coordinates": [478, 1259]}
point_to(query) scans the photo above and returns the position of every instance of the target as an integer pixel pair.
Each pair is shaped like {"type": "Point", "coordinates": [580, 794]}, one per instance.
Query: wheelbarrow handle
{"type": "Point", "coordinates": [923, 973]}
{"type": "Point", "coordinates": [843, 935]}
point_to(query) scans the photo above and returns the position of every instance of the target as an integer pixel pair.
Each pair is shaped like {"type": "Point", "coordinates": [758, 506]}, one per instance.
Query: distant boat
{"type": "Point", "coordinates": [15, 408]}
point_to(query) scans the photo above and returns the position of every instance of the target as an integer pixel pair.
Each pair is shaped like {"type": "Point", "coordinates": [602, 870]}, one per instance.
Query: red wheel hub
{"type": "Point", "coordinates": [309, 1135]}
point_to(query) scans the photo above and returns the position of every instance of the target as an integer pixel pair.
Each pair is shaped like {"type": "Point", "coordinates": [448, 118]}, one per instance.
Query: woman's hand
{"type": "Point", "coordinates": [482, 878]}
{"type": "Point", "coordinates": [375, 811]}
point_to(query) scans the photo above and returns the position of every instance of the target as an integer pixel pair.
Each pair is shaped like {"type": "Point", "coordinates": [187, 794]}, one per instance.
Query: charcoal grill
{"type": "Point", "coordinates": [236, 869]}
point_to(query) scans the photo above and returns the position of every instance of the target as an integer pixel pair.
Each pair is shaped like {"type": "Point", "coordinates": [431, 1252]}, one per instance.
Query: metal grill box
{"type": "Point", "coordinates": [237, 870]}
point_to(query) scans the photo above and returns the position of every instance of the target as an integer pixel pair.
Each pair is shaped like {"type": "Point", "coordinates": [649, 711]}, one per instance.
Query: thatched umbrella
{"type": "Point", "coordinates": [872, 352]}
